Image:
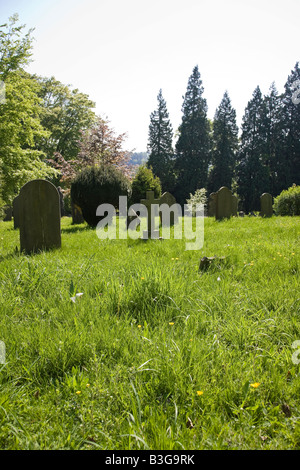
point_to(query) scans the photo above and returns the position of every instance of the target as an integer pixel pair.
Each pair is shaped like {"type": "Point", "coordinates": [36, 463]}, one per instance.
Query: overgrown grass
{"type": "Point", "coordinates": [154, 354]}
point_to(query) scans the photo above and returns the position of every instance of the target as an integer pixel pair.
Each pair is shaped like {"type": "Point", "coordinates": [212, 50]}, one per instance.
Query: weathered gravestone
{"type": "Point", "coordinates": [211, 205]}
{"type": "Point", "coordinates": [16, 212]}
{"type": "Point", "coordinates": [149, 202]}
{"type": "Point", "coordinates": [168, 215]}
{"type": "Point", "coordinates": [224, 203]}
{"type": "Point", "coordinates": [234, 207]}
{"type": "Point", "coordinates": [266, 208]}
{"type": "Point", "coordinates": [77, 217]}
{"type": "Point", "coordinates": [7, 214]}
{"type": "Point", "coordinates": [39, 216]}
{"type": "Point", "coordinates": [61, 201]}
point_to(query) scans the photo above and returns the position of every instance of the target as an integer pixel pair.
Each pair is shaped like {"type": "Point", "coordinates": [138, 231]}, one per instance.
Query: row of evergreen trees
{"type": "Point", "coordinates": [264, 158]}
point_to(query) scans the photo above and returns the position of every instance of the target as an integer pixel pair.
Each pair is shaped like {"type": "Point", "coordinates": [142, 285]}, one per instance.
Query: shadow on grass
{"type": "Point", "coordinates": [13, 254]}
{"type": "Point", "coordinates": [76, 228]}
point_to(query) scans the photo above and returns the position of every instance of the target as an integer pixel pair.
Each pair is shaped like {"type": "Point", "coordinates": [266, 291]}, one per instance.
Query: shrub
{"type": "Point", "coordinates": [98, 185]}
{"type": "Point", "coordinates": [199, 197]}
{"type": "Point", "coordinates": [144, 181]}
{"type": "Point", "coordinates": [288, 202]}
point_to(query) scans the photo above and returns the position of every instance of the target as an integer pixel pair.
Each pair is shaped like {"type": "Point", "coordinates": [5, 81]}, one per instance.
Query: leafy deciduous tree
{"type": "Point", "coordinates": [20, 127]}
{"type": "Point", "coordinates": [65, 113]}
{"type": "Point", "coordinates": [98, 145]}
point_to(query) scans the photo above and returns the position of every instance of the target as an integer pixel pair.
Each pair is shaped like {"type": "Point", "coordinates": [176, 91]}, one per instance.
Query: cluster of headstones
{"type": "Point", "coordinates": [223, 204]}
{"type": "Point", "coordinates": [37, 213]}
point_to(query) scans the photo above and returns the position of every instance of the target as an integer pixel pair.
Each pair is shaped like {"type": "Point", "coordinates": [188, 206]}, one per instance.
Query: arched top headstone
{"type": "Point", "coordinates": [171, 217]}
{"type": "Point", "coordinates": [211, 205]}
{"type": "Point", "coordinates": [224, 203]}
{"type": "Point", "coordinates": [266, 206]}
{"type": "Point", "coordinates": [16, 212]}
{"type": "Point", "coordinates": [39, 216]}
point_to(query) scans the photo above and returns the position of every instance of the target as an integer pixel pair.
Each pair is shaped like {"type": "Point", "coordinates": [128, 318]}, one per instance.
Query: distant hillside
{"type": "Point", "coordinates": [138, 158]}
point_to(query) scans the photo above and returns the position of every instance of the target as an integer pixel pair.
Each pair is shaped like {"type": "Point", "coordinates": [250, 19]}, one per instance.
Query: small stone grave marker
{"type": "Point", "coordinates": [234, 207]}
{"type": "Point", "coordinates": [7, 214]}
{"type": "Point", "coordinates": [77, 217]}
{"type": "Point", "coordinates": [211, 205]}
{"type": "Point", "coordinates": [148, 203]}
{"type": "Point", "coordinates": [172, 215]}
{"type": "Point", "coordinates": [16, 212]}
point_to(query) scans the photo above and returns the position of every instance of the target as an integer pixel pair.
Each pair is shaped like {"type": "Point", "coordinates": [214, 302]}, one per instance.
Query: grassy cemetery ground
{"type": "Point", "coordinates": [154, 354]}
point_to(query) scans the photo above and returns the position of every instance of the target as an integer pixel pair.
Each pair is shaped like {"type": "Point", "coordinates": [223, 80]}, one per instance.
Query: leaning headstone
{"type": "Point", "coordinates": [211, 205]}
{"type": "Point", "coordinates": [77, 217]}
{"type": "Point", "coordinates": [266, 208]}
{"type": "Point", "coordinates": [224, 203]}
{"type": "Point", "coordinates": [169, 200]}
{"type": "Point", "coordinates": [149, 202]}
{"type": "Point", "coordinates": [234, 207]}
{"type": "Point", "coordinates": [7, 214]}
{"type": "Point", "coordinates": [16, 214]}
{"type": "Point", "coordinates": [39, 216]}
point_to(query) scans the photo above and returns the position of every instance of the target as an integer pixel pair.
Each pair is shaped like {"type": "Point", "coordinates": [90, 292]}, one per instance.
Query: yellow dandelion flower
{"type": "Point", "coordinates": [139, 326]}
{"type": "Point", "coordinates": [171, 323]}
{"type": "Point", "coordinates": [87, 385]}
{"type": "Point", "coordinates": [255, 385]}
{"type": "Point", "coordinates": [177, 258]}
{"type": "Point", "coordinates": [199, 393]}
{"type": "Point", "coordinates": [142, 278]}
{"type": "Point", "coordinates": [78, 392]}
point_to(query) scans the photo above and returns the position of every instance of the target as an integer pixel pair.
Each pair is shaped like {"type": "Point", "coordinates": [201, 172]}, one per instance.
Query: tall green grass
{"type": "Point", "coordinates": [155, 354]}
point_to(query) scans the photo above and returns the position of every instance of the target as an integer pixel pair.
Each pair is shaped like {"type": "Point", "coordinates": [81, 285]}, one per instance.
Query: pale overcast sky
{"type": "Point", "coordinates": [121, 52]}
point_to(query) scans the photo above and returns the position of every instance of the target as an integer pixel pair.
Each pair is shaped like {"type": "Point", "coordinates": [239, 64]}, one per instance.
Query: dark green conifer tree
{"type": "Point", "coordinates": [291, 129]}
{"type": "Point", "coordinates": [161, 154]}
{"type": "Point", "coordinates": [252, 172]}
{"type": "Point", "coordinates": [274, 140]}
{"type": "Point", "coordinates": [224, 146]}
{"type": "Point", "coordinates": [193, 144]}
